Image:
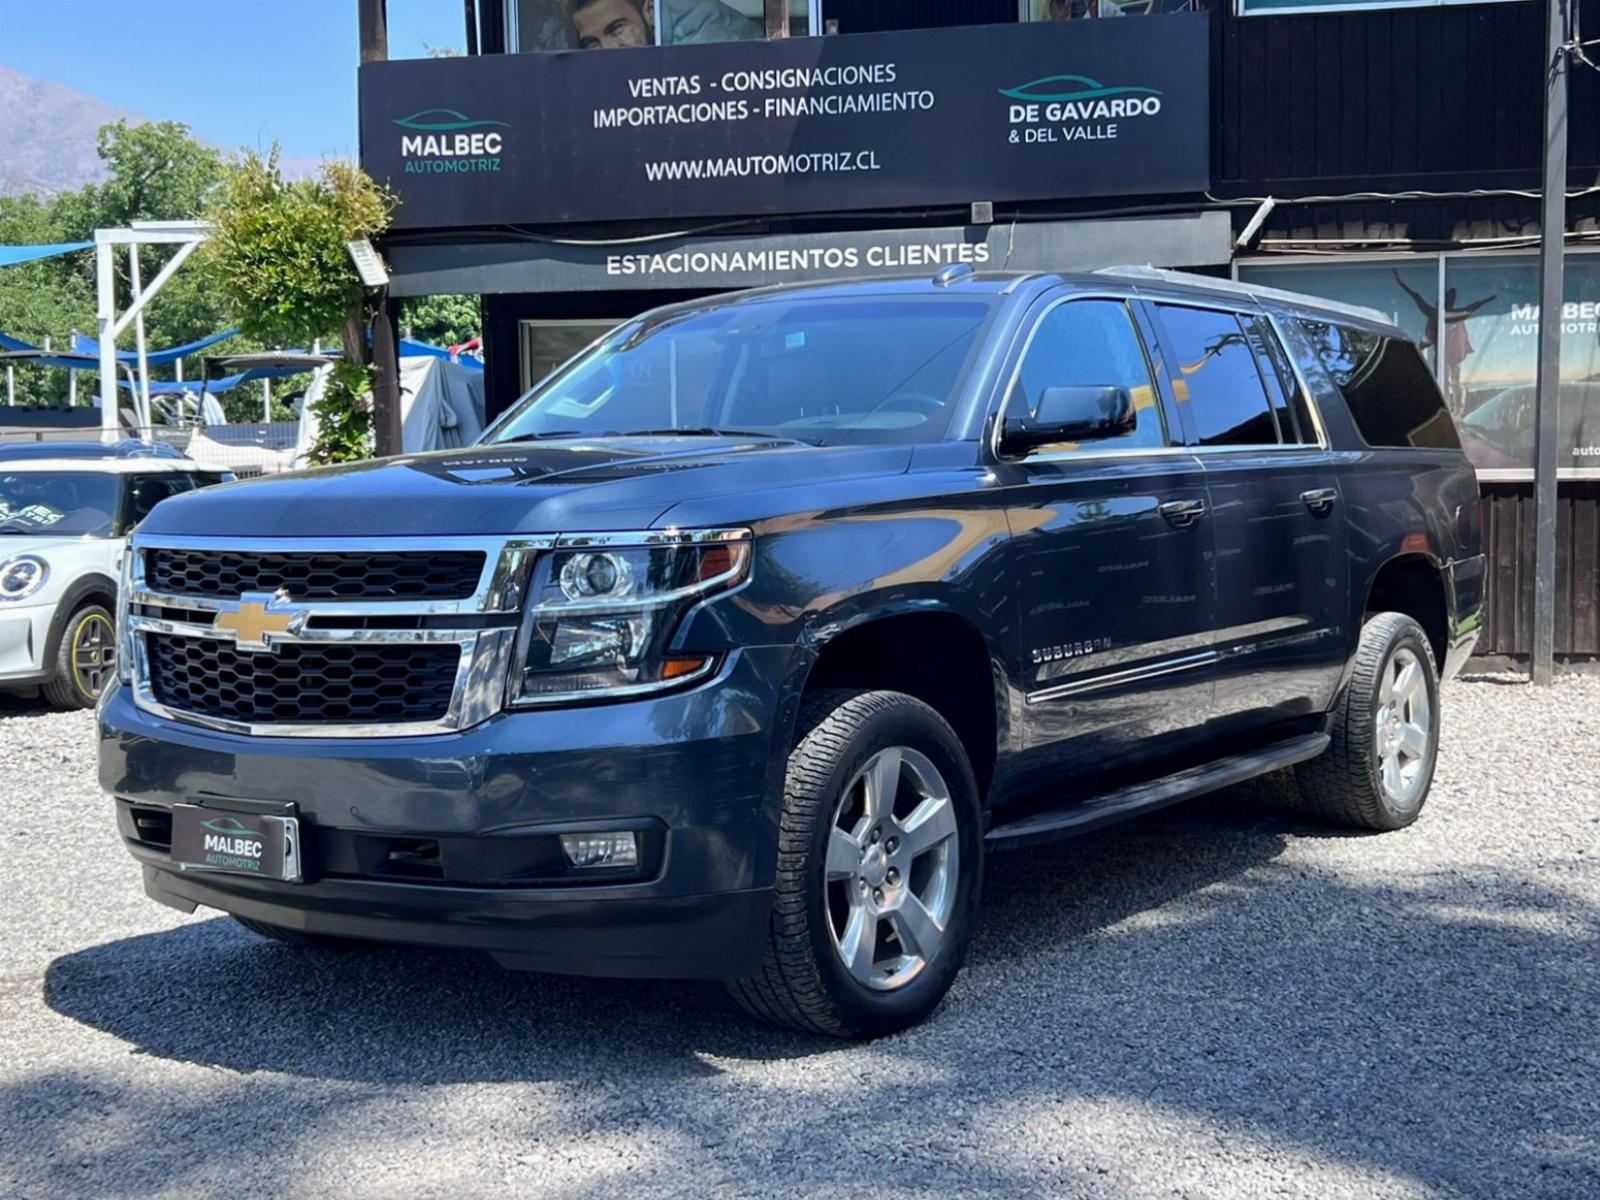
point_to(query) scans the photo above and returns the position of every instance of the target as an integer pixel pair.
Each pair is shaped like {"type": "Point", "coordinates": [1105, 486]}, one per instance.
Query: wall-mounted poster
{"type": "Point", "coordinates": [549, 25]}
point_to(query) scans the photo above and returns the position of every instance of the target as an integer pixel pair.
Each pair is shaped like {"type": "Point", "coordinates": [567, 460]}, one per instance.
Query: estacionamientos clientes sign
{"type": "Point", "coordinates": [863, 121]}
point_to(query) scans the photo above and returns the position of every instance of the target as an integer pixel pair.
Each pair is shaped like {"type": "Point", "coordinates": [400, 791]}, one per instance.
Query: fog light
{"type": "Point", "coordinates": [600, 849]}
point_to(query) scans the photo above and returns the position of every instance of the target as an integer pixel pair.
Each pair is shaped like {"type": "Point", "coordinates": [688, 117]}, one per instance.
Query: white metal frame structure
{"type": "Point", "coordinates": [186, 236]}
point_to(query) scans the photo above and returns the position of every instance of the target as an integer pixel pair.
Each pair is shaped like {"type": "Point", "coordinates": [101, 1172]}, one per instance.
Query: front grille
{"type": "Point", "coordinates": [388, 575]}
{"type": "Point", "coordinates": [304, 682]}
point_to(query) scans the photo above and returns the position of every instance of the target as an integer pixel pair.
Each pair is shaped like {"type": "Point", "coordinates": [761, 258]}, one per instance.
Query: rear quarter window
{"type": "Point", "coordinates": [1386, 384]}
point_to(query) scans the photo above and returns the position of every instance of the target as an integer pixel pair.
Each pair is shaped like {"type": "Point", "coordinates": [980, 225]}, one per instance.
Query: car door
{"type": "Point", "coordinates": [1110, 556]}
{"type": "Point", "coordinates": [1276, 506]}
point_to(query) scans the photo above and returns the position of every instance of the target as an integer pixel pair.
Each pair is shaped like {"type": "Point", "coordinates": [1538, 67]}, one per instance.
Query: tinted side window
{"type": "Point", "coordinates": [1391, 393]}
{"type": "Point", "coordinates": [1091, 343]}
{"type": "Point", "coordinates": [1215, 374]}
{"type": "Point", "coordinates": [1288, 400]}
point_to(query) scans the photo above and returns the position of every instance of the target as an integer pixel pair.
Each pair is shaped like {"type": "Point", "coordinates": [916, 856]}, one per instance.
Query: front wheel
{"type": "Point", "coordinates": [85, 661]}
{"type": "Point", "coordinates": [880, 859]}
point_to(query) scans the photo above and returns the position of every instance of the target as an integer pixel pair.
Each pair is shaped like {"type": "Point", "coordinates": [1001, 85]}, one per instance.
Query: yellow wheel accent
{"type": "Point", "coordinates": [94, 655]}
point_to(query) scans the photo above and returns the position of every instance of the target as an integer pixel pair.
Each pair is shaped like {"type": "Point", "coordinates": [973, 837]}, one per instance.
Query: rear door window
{"type": "Point", "coordinates": [1392, 395]}
{"type": "Point", "coordinates": [1214, 376]}
{"type": "Point", "coordinates": [1283, 388]}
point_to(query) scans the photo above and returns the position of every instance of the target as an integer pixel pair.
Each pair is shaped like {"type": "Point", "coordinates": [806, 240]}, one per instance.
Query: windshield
{"type": "Point", "coordinates": [58, 503]}
{"type": "Point", "coordinates": [821, 370]}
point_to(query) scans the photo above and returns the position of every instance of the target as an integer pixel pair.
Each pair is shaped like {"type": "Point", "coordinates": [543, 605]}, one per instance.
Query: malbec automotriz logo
{"type": "Point", "coordinates": [1069, 108]}
{"type": "Point", "coordinates": [445, 141]}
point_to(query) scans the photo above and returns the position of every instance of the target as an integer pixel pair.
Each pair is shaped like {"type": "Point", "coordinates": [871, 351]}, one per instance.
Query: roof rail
{"type": "Point", "coordinates": [1253, 291]}
{"type": "Point", "coordinates": [954, 273]}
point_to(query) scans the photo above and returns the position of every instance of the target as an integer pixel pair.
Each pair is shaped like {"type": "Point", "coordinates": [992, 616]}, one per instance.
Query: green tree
{"type": "Point", "coordinates": [442, 320]}
{"type": "Point", "coordinates": [156, 171]}
{"type": "Point", "coordinates": [277, 253]}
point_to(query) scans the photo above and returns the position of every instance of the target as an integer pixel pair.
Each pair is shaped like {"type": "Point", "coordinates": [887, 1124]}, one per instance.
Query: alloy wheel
{"type": "Point", "coordinates": [1404, 726]}
{"type": "Point", "coordinates": [893, 863]}
{"type": "Point", "coordinates": [94, 654]}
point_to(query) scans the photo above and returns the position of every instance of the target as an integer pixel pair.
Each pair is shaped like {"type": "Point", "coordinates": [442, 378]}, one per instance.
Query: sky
{"type": "Point", "coordinates": [237, 72]}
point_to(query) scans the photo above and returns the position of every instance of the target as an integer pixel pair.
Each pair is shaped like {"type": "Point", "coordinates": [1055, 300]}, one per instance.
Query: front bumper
{"type": "Point", "coordinates": [24, 643]}
{"type": "Point", "coordinates": [704, 767]}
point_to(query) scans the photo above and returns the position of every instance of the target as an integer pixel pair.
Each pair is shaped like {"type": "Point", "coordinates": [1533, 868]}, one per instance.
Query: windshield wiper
{"type": "Point", "coordinates": [696, 431]}
{"type": "Point", "coordinates": [709, 431]}
{"type": "Point", "coordinates": [539, 437]}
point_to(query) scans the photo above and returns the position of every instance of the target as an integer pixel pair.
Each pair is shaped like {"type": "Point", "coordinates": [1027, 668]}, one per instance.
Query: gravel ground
{"type": "Point", "coordinates": [1215, 1001]}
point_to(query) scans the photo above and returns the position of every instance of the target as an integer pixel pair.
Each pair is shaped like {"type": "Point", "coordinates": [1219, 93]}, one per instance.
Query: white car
{"type": "Point", "coordinates": [65, 508]}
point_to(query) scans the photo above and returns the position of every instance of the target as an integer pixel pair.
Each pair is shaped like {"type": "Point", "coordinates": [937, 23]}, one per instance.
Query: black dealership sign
{"type": "Point", "coordinates": [938, 116]}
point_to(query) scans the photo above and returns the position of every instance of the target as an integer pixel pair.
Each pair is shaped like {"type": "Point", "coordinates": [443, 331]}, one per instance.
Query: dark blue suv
{"type": "Point", "coordinates": [736, 646]}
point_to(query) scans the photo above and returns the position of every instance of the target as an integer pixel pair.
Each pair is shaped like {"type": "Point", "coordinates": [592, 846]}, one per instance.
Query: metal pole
{"type": "Point", "coordinates": [387, 423]}
{"type": "Point", "coordinates": [11, 386]}
{"type": "Point", "coordinates": [72, 376]}
{"type": "Point", "coordinates": [777, 14]}
{"type": "Point", "coordinates": [372, 23]}
{"type": "Point", "coordinates": [105, 315]}
{"type": "Point", "coordinates": [1552, 235]}
{"type": "Point", "coordinates": [266, 400]}
{"type": "Point", "coordinates": [138, 335]}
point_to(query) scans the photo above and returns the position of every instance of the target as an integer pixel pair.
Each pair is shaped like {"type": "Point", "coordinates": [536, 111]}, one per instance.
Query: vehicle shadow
{"type": "Point", "coordinates": [20, 704]}
{"type": "Point", "coordinates": [409, 1014]}
{"type": "Point", "coordinates": [1431, 1034]}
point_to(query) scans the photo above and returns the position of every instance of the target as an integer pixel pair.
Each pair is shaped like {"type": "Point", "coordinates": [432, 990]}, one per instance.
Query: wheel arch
{"type": "Point", "coordinates": [1414, 584]}
{"type": "Point", "coordinates": [923, 647]}
{"type": "Point", "coordinates": [89, 588]}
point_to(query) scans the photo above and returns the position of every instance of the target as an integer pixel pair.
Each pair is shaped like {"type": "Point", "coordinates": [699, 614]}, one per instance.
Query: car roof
{"type": "Point", "coordinates": [1145, 281]}
{"type": "Point", "coordinates": [85, 448]}
{"type": "Point", "coordinates": [103, 466]}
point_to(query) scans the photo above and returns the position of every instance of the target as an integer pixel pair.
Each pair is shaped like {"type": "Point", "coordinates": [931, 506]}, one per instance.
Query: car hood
{"type": "Point", "coordinates": [57, 547]}
{"type": "Point", "coordinates": [572, 485]}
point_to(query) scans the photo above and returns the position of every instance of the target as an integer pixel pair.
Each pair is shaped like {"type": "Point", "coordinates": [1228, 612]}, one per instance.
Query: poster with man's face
{"type": "Point", "coordinates": [545, 25]}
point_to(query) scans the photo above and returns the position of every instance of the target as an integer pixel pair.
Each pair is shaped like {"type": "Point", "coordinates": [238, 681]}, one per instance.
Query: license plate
{"type": "Point", "coordinates": [238, 843]}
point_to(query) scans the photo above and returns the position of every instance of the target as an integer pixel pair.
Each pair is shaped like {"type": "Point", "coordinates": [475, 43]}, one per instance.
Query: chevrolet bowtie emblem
{"type": "Point", "coordinates": [258, 617]}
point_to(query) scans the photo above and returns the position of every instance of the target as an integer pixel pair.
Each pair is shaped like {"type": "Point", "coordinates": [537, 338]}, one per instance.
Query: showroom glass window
{"type": "Point", "coordinates": [1476, 318]}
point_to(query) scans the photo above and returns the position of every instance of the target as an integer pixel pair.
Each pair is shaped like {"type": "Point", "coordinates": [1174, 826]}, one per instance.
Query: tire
{"type": "Point", "coordinates": [819, 906]}
{"type": "Point", "coordinates": [1353, 783]}
{"type": "Point", "coordinates": [296, 937]}
{"type": "Point", "coordinates": [85, 659]}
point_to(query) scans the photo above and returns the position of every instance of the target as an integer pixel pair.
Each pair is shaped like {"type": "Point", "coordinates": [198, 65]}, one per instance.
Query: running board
{"type": "Point", "coordinates": [1142, 798]}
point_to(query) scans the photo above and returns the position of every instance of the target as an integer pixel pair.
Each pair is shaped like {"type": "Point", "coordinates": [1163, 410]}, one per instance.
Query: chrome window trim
{"type": "Point", "coordinates": [1306, 394]}
{"type": "Point", "coordinates": [1010, 387]}
{"type": "Point", "coordinates": [1235, 311]}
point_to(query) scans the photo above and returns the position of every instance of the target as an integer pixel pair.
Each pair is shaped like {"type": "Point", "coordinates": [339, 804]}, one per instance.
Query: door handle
{"type": "Point", "coordinates": [1183, 513]}
{"type": "Point", "coordinates": [1320, 500]}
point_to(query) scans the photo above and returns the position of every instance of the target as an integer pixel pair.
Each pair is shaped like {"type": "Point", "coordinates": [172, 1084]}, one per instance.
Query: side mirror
{"type": "Point", "coordinates": [1077, 413]}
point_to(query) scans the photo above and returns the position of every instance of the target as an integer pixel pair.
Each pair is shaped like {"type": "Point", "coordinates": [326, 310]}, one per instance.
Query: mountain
{"type": "Point", "coordinates": [48, 131]}
{"type": "Point", "coordinates": [47, 138]}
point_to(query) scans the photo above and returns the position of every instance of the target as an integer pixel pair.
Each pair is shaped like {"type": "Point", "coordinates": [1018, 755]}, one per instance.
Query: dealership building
{"type": "Point", "coordinates": [1382, 154]}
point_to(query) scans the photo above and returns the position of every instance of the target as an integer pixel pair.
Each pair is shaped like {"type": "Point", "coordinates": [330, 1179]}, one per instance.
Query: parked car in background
{"type": "Point", "coordinates": [65, 508]}
{"type": "Point", "coordinates": [737, 646]}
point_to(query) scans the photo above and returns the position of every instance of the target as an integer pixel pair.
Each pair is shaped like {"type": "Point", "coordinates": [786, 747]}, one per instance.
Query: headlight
{"type": "Point", "coordinates": [22, 575]}
{"type": "Point", "coordinates": [603, 611]}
